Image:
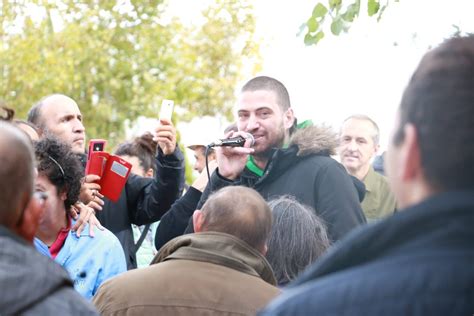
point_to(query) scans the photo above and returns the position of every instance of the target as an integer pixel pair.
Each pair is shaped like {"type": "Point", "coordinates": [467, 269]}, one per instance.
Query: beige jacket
{"type": "Point", "coordinates": [197, 274]}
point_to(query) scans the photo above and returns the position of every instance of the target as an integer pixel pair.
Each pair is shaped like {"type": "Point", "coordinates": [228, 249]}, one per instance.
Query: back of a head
{"type": "Point", "coordinates": [297, 239]}
{"type": "Point", "coordinates": [61, 166]}
{"type": "Point", "coordinates": [16, 173]}
{"type": "Point", "coordinates": [241, 212]}
{"type": "Point", "coordinates": [270, 84]}
{"type": "Point", "coordinates": [142, 147]}
{"type": "Point", "coordinates": [439, 102]}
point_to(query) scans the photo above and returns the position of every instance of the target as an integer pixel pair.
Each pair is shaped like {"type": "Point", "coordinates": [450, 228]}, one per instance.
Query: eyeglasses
{"type": "Point", "coordinates": [57, 164]}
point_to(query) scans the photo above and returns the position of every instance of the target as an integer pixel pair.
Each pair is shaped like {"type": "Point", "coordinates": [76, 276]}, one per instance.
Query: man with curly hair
{"type": "Point", "coordinates": [89, 261]}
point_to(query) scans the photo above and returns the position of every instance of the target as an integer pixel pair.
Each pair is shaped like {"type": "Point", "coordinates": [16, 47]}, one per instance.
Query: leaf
{"type": "Point", "coordinates": [313, 39]}
{"type": "Point", "coordinates": [312, 24]}
{"type": "Point", "coordinates": [373, 7]}
{"type": "Point", "coordinates": [319, 36]}
{"type": "Point", "coordinates": [351, 12]}
{"type": "Point", "coordinates": [319, 11]}
{"type": "Point", "coordinates": [337, 25]}
{"type": "Point", "coordinates": [335, 4]}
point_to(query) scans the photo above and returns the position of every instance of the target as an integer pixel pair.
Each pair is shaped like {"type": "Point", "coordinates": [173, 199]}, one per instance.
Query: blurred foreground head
{"type": "Point", "coordinates": [432, 147]}
{"type": "Point", "coordinates": [17, 175]}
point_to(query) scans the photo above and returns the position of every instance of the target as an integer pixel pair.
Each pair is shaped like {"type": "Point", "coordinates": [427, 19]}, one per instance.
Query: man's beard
{"type": "Point", "coordinates": [277, 144]}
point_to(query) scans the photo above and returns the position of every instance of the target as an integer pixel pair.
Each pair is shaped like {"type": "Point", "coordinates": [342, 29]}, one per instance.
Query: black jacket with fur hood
{"type": "Point", "coordinates": [306, 171]}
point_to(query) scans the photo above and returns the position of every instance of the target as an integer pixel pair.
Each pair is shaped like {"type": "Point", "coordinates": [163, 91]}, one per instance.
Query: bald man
{"type": "Point", "coordinates": [143, 200]}
{"type": "Point", "coordinates": [22, 268]}
{"type": "Point", "coordinates": [220, 269]}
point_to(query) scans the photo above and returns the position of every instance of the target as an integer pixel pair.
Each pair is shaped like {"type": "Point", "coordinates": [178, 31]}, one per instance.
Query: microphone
{"type": "Point", "coordinates": [238, 141]}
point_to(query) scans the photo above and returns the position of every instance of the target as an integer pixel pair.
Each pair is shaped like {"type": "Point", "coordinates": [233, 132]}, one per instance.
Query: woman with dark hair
{"type": "Point", "coordinates": [141, 153]}
{"type": "Point", "coordinates": [297, 239]}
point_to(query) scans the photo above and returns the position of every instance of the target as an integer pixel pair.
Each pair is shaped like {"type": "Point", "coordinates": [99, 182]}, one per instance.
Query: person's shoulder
{"type": "Point", "coordinates": [381, 182]}
{"type": "Point", "coordinates": [101, 236]}
{"type": "Point", "coordinates": [332, 294]}
{"type": "Point", "coordinates": [66, 300]}
{"type": "Point", "coordinates": [322, 161]}
{"type": "Point", "coordinates": [107, 237]}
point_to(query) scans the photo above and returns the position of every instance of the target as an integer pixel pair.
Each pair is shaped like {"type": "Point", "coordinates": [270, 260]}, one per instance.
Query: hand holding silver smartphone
{"type": "Point", "coordinates": [166, 110]}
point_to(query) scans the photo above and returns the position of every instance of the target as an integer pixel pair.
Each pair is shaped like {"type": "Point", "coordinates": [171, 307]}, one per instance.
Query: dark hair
{"type": "Point", "coordinates": [439, 102]}
{"type": "Point", "coordinates": [297, 239]}
{"type": "Point", "coordinates": [143, 147]}
{"type": "Point", "coordinates": [16, 173]}
{"type": "Point", "coordinates": [270, 84]}
{"type": "Point", "coordinates": [61, 166]}
{"type": "Point", "coordinates": [7, 114]}
{"type": "Point", "coordinates": [34, 114]}
{"type": "Point", "coordinates": [238, 211]}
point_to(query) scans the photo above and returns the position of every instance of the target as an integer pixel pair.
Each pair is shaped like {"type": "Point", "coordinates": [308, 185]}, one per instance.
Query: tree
{"type": "Point", "coordinates": [338, 15]}
{"type": "Point", "coordinates": [119, 59]}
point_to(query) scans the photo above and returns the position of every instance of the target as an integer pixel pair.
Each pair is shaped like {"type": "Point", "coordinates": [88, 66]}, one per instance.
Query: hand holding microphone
{"type": "Point", "coordinates": [232, 153]}
{"type": "Point", "coordinates": [238, 141]}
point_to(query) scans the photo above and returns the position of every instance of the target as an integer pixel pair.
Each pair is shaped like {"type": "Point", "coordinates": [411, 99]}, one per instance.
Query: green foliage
{"type": "Point", "coordinates": [373, 7]}
{"type": "Point", "coordinates": [120, 59]}
{"type": "Point", "coordinates": [338, 15]}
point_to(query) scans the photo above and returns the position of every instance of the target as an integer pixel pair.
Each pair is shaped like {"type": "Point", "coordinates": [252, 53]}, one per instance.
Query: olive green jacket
{"type": "Point", "coordinates": [379, 201]}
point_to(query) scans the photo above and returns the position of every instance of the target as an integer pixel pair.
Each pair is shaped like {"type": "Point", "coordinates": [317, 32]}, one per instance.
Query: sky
{"type": "Point", "coordinates": [362, 72]}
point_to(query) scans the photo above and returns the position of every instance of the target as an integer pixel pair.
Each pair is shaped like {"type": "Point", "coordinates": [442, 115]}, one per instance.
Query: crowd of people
{"type": "Point", "coordinates": [301, 219]}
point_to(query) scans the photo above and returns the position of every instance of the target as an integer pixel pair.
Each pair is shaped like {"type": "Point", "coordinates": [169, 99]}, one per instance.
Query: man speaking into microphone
{"type": "Point", "coordinates": [284, 160]}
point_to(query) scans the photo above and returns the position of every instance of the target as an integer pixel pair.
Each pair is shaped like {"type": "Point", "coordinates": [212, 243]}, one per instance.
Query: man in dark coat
{"type": "Point", "coordinates": [420, 261]}
{"type": "Point", "coordinates": [32, 284]}
{"type": "Point", "coordinates": [143, 200]}
{"type": "Point", "coordinates": [277, 165]}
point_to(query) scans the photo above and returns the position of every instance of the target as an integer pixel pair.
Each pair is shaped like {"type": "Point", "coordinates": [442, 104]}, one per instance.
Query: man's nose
{"type": "Point", "coordinates": [79, 127]}
{"type": "Point", "coordinates": [253, 123]}
{"type": "Point", "coordinates": [352, 146]}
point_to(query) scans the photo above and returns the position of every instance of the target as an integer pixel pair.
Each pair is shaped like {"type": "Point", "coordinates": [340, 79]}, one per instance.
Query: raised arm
{"type": "Point", "coordinates": [148, 201]}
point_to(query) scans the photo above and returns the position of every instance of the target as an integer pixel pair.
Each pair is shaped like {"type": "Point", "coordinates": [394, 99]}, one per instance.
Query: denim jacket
{"type": "Point", "coordinates": [89, 260]}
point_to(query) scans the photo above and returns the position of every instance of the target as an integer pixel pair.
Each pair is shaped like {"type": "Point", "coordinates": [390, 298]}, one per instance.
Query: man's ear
{"type": "Point", "coordinates": [264, 250]}
{"type": "Point", "coordinates": [377, 148]}
{"type": "Point", "coordinates": [32, 215]}
{"type": "Point", "coordinates": [410, 157]}
{"type": "Point", "coordinates": [288, 118]}
{"type": "Point", "coordinates": [198, 218]}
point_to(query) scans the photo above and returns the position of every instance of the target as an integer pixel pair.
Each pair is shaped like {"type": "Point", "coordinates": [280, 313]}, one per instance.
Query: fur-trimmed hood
{"type": "Point", "coordinates": [314, 140]}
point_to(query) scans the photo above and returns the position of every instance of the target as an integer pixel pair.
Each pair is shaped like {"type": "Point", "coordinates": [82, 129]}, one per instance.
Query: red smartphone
{"type": "Point", "coordinates": [96, 145]}
{"type": "Point", "coordinates": [114, 177]}
{"type": "Point", "coordinates": [96, 163]}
